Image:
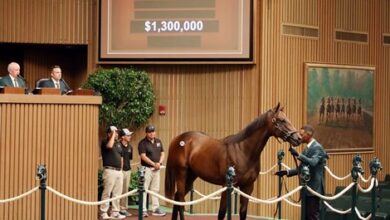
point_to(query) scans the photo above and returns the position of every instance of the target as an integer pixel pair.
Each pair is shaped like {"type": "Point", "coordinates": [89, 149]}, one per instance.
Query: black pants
{"type": "Point", "coordinates": [312, 208]}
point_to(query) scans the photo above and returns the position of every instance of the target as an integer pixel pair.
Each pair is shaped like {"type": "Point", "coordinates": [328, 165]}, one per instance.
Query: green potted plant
{"type": "Point", "coordinates": [128, 96]}
{"type": "Point", "coordinates": [128, 102]}
{"type": "Point", "coordinates": [133, 200]}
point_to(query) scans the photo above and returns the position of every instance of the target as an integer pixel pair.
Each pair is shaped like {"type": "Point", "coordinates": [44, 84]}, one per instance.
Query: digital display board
{"type": "Point", "coordinates": [199, 30]}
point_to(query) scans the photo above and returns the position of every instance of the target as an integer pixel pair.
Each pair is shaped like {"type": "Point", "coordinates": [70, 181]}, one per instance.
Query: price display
{"type": "Point", "coordinates": [199, 30]}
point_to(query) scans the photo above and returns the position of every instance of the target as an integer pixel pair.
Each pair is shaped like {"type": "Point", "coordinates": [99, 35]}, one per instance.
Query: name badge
{"type": "Point", "coordinates": [158, 144]}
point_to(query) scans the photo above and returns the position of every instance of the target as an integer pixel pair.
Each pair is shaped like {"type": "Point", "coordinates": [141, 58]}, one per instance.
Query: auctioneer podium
{"type": "Point", "coordinates": [59, 131]}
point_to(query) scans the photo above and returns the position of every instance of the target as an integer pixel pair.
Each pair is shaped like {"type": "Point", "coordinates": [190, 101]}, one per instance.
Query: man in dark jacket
{"type": "Point", "coordinates": [313, 156]}
{"type": "Point", "coordinates": [56, 81]}
{"type": "Point", "coordinates": [13, 79]}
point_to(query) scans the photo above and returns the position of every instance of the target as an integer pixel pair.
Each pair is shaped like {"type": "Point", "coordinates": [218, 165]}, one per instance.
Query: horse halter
{"type": "Point", "coordinates": [286, 135]}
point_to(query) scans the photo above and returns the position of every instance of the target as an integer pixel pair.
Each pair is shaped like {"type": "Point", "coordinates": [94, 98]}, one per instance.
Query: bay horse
{"type": "Point", "coordinates": [195, 154]}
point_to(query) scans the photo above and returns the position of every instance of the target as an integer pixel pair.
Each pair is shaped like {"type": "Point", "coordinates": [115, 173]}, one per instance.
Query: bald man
{"type": "Point", "coordinates": [13, 79]}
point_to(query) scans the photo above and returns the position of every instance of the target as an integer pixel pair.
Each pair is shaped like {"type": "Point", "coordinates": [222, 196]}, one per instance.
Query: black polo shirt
{"type": "Point", "coordinates": [127, 155]}
{"type": "Point", "coordinates": [111, 156]}
{"type": "Point", "coordinates": [151, 150]}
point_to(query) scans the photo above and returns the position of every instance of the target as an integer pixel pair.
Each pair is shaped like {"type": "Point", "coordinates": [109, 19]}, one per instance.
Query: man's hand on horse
{"type": "Point", "coordinates": [293, 152]}
{"type": "Point", "coordinates": [281, 173]}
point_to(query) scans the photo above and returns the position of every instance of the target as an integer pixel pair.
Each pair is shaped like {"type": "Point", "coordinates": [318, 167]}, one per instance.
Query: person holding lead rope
{"type": "Point", "coordinates": [313, 156]}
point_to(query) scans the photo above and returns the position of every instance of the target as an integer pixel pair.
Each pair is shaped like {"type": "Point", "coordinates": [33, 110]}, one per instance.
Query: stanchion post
{"type": "Point", "coordinates": [191, 198]}
{"type": "Point", "coordinates": [356, 169]}
{"type": "Point", "coordinates": [42, 176]}
{"type": "Point", "coordinates": [280, 158]}
{"type": "Point", "coordinates": [305, 177]}
{"type": "Point", "coordinates": [235, 202]}
{"type": "Point", "coordinates": [375, 165]}
{"type": "Point", "coordinates": [229, 184]}
{"type": "Point", "coordinates": [141, 190]}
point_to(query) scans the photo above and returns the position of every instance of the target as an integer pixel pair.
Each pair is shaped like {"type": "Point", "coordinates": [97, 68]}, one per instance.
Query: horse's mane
{"type": "Point", "coordinates": [244, 133]}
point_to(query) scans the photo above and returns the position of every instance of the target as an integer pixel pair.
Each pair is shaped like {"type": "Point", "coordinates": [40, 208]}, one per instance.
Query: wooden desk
{"type": "Point", "coordinates": [83, 92]}
{"type": "Point", "coordinates": [47, 91]}
{"type": "Point", "coordinates": [11, 90]}
{"type": "Point", "coordinates": [59, 131]}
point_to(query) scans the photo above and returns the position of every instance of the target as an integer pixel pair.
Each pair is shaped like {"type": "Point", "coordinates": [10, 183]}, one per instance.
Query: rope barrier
{"type": "Point", "coordinates": [364, 180]}
{"type": "Point", "coordinates": [330, 197]}
{"type": "Point", "coordinates": [361, 217]}
{"type": "Point", "coordinates": [213, 196]}
{"type": "Point", "coordinates": [285, 166]}
{"type": "Point", "coordinates": [200, 194]}
{"type": "Point", "coordinates": [186, 203]}
{"type": "Point", "coordinates": [334, 176]}
{"type": "Point", "coordinates": [292, 203]}
{"type": "Point", "coordinates": [336, 210]}
{"type": "Point", "coordinates": [256, 200]}
{"type": "Point", "coordinates": [19, 196]}
{"type": "Point", "coordinates": [330, 173]}
{"type": "Point", "coordinates": [269, 170]}
{"type": "Point", "coordinates": [133, 192]}
{"type": "Point", "coordinates": [270, 199]}
{"type": "Point", "coordinates": [370, 187]}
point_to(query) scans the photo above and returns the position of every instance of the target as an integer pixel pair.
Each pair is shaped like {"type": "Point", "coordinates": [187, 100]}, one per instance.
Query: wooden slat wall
{"type": "Point", "coordinates": [64, 137]}
{"type": "Point", "coordinates": [282, 71]}
{"type": "Point", "coordinates": [222, 99]}
{"type": "Point", "coordinates": [279, 72]}
{"type": "Point", "coordinates": [45, 21]}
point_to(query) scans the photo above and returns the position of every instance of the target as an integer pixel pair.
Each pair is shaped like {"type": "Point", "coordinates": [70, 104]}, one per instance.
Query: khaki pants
{"type": "Point", "coordinates": [113, 181]}
{"type": "Point", "coordinates": [126, 180]}
{"type": "Point", "coordinates": [152, 182]}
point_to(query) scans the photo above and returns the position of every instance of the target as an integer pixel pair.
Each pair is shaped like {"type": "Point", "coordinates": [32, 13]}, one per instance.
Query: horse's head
{"type": "Point", "coordinates": [282, 127]}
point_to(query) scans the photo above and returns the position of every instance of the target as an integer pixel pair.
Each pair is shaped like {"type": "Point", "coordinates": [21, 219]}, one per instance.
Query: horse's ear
{"type": "Point", "coordinates": [276, 109]}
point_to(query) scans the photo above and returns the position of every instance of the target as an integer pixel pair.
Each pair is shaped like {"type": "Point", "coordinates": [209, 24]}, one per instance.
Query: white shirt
{"type": "Point", "coordinates": [56, 83]}
{"type": "Point", "coordinates": [14, 81]}
{"type": "Point", "coordinates": [310, 143]}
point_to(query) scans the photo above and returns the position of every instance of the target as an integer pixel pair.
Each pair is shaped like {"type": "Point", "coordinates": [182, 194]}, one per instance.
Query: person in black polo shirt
{"type": "Point", "coordinates": [127, 155]}
{"type": "Point", "coordinates": [152, 155]}
{"type": "Point", "coordinates": [112, 173]}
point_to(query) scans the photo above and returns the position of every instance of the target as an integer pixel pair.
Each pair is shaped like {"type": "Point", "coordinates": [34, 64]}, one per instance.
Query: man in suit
{"type": "Point", "coordinates": [13, 79]}
{"type": "Point", "coordinates": [56, 80]}
{"type": "Point", "coordinates": [313, 156]}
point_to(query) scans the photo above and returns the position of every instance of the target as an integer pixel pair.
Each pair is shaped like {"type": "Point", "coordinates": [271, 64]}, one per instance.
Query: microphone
{"type": "Point", "coordinates": [21, 77]}
{"type": "Point", "coordinates": [67, 87]}
{"type": "Point", "coordinates": [26, 87]}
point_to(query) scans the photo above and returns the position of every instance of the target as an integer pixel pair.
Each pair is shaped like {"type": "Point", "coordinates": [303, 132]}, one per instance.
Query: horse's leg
{"type": "Point", "coordinates": [222, 206]}
{"type": "Point", "coordinates": [175, 209]}
{"type": "Point", "coordinates": [181, 179]}
{"type": "Point", "coordinates": [244, 201]}
{"type": "Point", "coordinates": [188, 186]}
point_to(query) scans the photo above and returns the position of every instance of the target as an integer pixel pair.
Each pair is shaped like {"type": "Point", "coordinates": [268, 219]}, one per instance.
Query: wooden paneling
{"type": "Point", "coordinates": [222, 99]}
{"type": "Point", "coordinates": [60, 132]}
{"type": "Point", "coordinates": [302, 12]}
{"type": "Point", "coordinates": [282, 73]}
{"type": "Point", "coordinates": [45, 21]}
{"type": "Point", "coordinates": [201, 97]}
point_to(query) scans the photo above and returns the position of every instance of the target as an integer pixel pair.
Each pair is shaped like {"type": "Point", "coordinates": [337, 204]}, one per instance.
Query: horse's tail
{"type": "Point", "coordinates": [170, 181]}
{"type": "Point", "coordinates": [170, 175]}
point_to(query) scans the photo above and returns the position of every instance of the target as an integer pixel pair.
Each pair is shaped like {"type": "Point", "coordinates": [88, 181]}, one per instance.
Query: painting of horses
{"type": "Point", "coordinates": [339, 104]}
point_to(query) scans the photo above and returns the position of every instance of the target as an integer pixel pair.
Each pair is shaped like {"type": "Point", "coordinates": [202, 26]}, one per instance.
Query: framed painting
{"type": "Point", "coordinates": [339, 104]}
